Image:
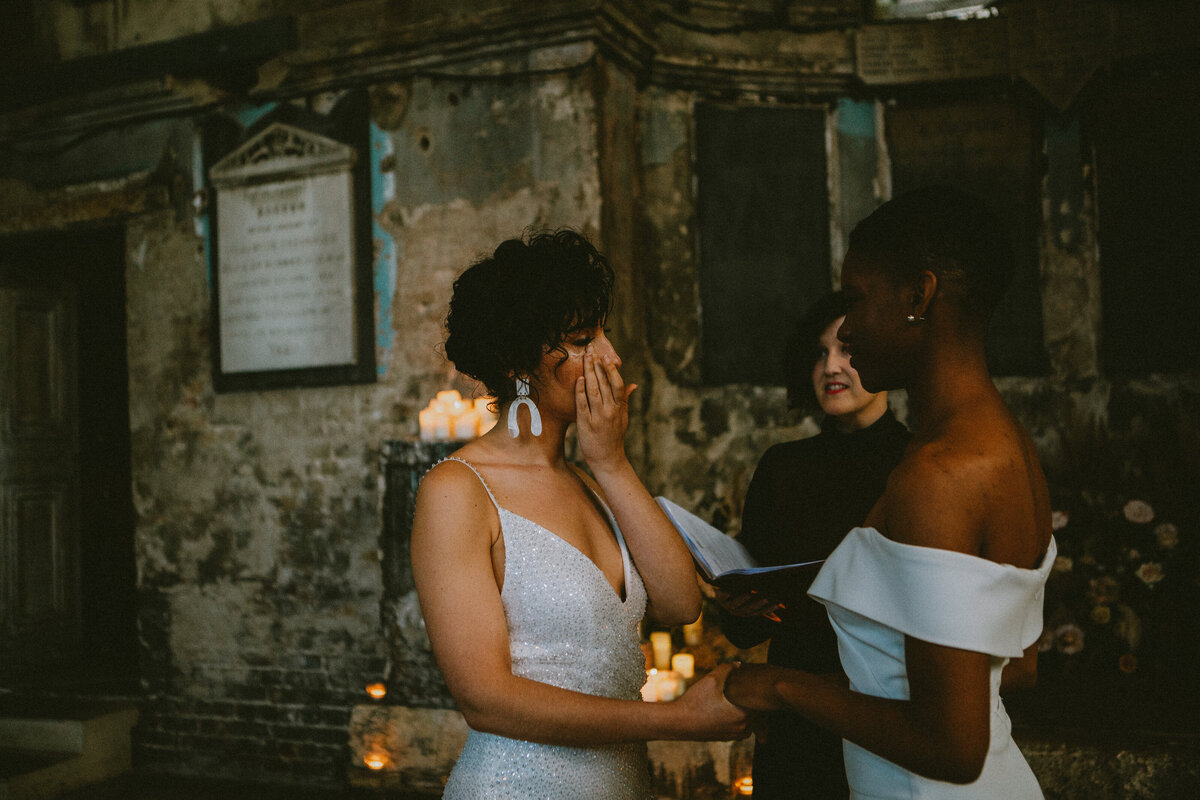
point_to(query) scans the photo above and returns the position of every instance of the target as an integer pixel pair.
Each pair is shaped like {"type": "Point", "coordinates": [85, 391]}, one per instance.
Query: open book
{"type": "Point", "coordinates": [725, 563]}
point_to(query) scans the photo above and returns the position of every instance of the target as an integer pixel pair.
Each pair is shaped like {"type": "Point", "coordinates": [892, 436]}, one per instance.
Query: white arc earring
{"type": "Point", "coordinates": [535, 419]}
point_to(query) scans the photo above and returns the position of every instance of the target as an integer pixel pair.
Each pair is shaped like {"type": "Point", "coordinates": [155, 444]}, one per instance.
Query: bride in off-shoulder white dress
{"type": "Point", "coordinates": [877, 592]}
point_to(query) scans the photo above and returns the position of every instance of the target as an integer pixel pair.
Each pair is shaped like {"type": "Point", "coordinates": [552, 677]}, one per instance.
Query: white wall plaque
{"type": "Point", "coordinates": [286, 294]}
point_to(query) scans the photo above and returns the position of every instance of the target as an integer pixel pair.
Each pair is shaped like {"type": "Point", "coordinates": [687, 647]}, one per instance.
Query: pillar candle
{"type": "Point", "coordinates": [684, 664]}
{"type": "Point", "coordinates": [465, 426]}
{"type": "Point", "coordinates": [425, 423]}
{"type": "Point", "coordinates": [661, 642]}
{"type": "Point", "coordinates": [441, 426]}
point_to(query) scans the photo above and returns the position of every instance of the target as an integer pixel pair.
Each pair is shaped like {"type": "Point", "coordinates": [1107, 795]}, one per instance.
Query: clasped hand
{"type": "Point", "coordinates": [713, 716]}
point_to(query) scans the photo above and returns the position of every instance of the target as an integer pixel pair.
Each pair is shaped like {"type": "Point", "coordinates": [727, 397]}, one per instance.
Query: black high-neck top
{"type": "Point", "coordinates": [803, 499]}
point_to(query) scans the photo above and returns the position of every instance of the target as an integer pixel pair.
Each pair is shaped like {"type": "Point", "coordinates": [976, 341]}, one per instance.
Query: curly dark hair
{"type": "Point", "coordinates": [949, 232]}
{"type": "Point", "coordinates": [527, 296]}
{"type": "Point", "coordinates": [803, 349]}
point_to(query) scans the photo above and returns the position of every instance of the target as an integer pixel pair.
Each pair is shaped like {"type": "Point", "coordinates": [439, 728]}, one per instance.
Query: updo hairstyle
{"type": "Point", "coordinates": [511, 307]}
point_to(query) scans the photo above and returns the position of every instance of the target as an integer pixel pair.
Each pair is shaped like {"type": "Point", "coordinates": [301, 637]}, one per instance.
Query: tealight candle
{"type": "Point", "coordinates": [661, 642]}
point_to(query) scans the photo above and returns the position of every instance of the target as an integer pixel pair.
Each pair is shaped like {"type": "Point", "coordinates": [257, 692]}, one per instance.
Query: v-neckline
{"type": "Point", "coordinates": [614, 529]}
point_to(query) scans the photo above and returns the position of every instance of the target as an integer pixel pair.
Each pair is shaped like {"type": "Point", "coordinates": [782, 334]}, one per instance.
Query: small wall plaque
{"type": "Point", "coordinates": [287, 282]}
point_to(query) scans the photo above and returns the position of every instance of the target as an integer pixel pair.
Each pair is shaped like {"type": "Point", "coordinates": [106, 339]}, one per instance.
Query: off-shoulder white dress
{"type": "Point", "coordinates": [877, 591]}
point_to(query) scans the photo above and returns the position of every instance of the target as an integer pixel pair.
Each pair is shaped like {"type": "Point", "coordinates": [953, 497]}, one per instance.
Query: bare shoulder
{"type": "Point", "coordinates": [453, 495]}
{"type": "Point", "coordinates": [975, 488]}
{"type": "Point", "coordinates": [941, 494]}
{"type": "Point", "coordinates": [451, 477]}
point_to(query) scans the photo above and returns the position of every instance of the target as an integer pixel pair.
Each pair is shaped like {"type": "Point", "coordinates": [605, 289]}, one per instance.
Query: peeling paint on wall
{"type": "Point", "coordinates": [383, 190]}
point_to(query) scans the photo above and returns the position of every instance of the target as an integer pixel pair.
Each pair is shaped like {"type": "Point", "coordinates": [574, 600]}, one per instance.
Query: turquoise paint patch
{"type": "Point", "coordinates": [382, 190]}
{"type": "Point", "coordinates": [245, 117]}
{"type": "Point", "coordinates": [856, 118]}
{"type": "Point", "coordinates": [249, 116]}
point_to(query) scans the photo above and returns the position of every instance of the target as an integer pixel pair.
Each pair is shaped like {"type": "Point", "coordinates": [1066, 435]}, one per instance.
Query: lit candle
{"type": "Point", "coordinates": [744, 786]}
{"type": "Point", "coordinates": [661, 642]}
{"type": "Point", "coordinates": [684, 664]}
{"type": "Point", "coordinates": [375, 761]}
{"type": "Point", "coordinates": [448, 397]}
{"type": "Point", "coordinates": [693, 633]}
{"type": "Point", "coordinates": [425, 422]}
{"type": "Point", "coordinates": [377, 691]}
{"type": "Point", "coordinates": [466, 425]}
{"type": "Point", "coordinates": [441, 426]}
{"type": "Point", "coordinates": [651, 691]}
{"type": "Point", "coordinates": [672, 684]}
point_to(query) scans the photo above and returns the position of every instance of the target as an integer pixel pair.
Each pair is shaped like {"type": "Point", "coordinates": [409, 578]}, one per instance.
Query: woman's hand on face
{"type": "Point", "coordinates": [602, 410]}
{"type": "Point", "coordinates": [748, 604]}
{"type": "Point", "coordinates": [711, 716]}
{"type": "Point", "coordinates": [752, 687]}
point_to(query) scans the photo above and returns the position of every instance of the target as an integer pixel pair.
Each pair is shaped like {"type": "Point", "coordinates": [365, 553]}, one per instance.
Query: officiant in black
{"type": "Point", "coordinates": [804, 496]}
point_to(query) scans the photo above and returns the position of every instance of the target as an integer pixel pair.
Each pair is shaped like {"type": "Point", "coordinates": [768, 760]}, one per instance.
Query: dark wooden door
{"type": "Point", "coordinates": [39, 476]}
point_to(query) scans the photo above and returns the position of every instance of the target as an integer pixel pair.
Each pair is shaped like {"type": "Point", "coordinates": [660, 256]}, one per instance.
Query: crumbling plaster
{"type": "Point", "coordinates": [258, 513]}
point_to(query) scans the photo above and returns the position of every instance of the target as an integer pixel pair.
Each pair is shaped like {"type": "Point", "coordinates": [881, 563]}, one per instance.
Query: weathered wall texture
{"type": "Point", "coordinates": [259, 512]}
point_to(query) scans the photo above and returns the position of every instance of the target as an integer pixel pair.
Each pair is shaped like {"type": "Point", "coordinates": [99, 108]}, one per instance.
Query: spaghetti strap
{"type": "Point", "coordinates": [471, 467]}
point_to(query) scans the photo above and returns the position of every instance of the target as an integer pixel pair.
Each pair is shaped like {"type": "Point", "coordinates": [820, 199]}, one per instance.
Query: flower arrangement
{"type": "Point", "coordinates": [1122, 596]}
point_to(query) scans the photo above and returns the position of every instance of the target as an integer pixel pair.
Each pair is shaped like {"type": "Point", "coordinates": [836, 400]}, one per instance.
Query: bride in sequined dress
{"type": "Point", "coordinates": [533, 576]}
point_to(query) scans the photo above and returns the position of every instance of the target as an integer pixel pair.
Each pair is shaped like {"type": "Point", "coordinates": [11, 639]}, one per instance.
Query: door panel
{"type": "Point", "coordinates": [39, 476]}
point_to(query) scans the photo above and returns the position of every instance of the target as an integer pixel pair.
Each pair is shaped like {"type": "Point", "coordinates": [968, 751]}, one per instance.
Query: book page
{"type": "Point", "coordinates": [714, 551]}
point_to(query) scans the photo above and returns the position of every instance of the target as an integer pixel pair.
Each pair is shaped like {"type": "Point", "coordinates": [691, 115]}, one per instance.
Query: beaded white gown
{"type": "Point", "coordinates": [877, 591]}
{"type": "Point", "coordinates": [567, 627]}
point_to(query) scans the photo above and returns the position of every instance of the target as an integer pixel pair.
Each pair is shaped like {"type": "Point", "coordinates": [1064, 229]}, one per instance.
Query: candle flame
{"type": "Point", "coordinates": [376, 761]}
{"type": "Point", "coordinates": [450, 417]}
{"type": "Point", "coordinates": [377, 690]}
{"type": "Point", "coordinates": [744, 786]}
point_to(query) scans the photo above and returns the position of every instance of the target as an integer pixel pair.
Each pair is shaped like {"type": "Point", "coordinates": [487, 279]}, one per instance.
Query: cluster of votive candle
{"type": "Point", "coordinates": [669, 676]}
{"type": "Point", "coordinates": [451, 417]}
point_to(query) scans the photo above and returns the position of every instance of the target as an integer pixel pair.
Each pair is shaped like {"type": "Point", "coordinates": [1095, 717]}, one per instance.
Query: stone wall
{"type": "Point", "coordinates": [259, 513]}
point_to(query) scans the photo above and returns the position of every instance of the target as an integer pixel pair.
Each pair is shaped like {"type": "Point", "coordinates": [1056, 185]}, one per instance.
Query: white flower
{"type": "Point", "coordinates": [1068, 639]}
{"type": "Point", "coordinates": [1167, 535]}
{"type": "Point", "coordinates": [1139, 512]}
{"type": "Point", "coordinates": [1059, 520]}
{"type": "Point", "coordinates": [1150, 572]}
